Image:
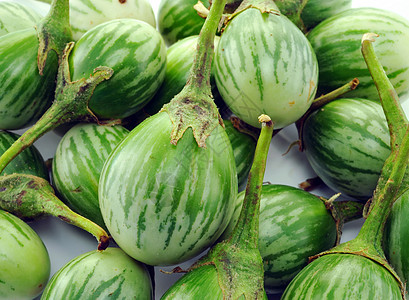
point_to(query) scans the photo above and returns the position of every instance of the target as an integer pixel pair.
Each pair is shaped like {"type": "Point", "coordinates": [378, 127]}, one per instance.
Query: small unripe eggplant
{"type": "Point", "coordinates": [293, 226]}
{"type": "Point", "coordinates": [24, 260]}
{"type": "Point", "coordinates": [78, 162]}
{"type": "Point", "coordinates": [108, 274]}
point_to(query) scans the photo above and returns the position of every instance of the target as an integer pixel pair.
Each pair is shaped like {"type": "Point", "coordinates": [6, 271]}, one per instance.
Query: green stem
{"type": "Point", "coordinates": [194, 106]}
{"type": "Point", "coordinates": [368, 243]}
{"type": "Point", "coordinates": [395, 165]}
{"type": "Point", "coordinates": [237, 260]}
{"type": "Point", "coordinates": [394, 113]}
{"type": "Point", "coordinates": [54, 32]}
{"type": "Point", "coordinates": [320, 102]}
{"type": "Point", "coordinates": [247, 227]}
{"type": "Point", "coordinates": [70, 104]}
{"type": "Point", "coordinates": [30, 197]}
{"type": "Point", "coordinates": [199, 78]}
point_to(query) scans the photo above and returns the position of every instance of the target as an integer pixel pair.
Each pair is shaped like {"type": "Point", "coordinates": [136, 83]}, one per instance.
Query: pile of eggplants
{"type": "Point", "coordinates": [168, 188]}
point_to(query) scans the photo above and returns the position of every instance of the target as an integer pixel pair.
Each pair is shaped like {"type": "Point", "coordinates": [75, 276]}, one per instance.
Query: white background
{"type": "Point", "coordinates": [64, 242]}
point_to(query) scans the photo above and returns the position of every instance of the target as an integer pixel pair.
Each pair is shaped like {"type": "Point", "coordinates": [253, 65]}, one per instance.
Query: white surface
{"type": "Point", "coordinates": [64, 242]}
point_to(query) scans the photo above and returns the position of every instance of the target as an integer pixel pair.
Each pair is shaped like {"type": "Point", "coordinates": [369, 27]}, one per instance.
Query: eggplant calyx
{"type": "Point", "coordinates": [54, 32]}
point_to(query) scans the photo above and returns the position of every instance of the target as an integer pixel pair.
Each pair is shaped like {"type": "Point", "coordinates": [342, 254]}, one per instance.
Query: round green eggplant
{"type": "Point", "coordinates": [343, 276]}
{"type": "Point", "coordinates": [337, 44]}
{"type": "Point", "coordinates": [396, 234]}
{"type": "Point", "coordinates": [85, 15]}
{"type": "Point", "coordinates": [108, 274]}
{"type": "Point", "coordinates": [24, 260]}
{"type": "Point", "coordinates": [78, 162]}
{"type": "Point", "coordinates": [265, 65]}
{"type": "Point", "coordinates": [347, 143]}
{"type": "Point", "coordinates": [15, 16]}
{"type": "Point", "coordinates": [293, 226]}
{"type": "Point", "coordinates": [24, 93]}
{"type": "Point", "coordinates": [29, 161]}
{"type": "Point", "coordinates": [164, 203]}
{"type": "Point", "coordinates": [137, 54]}
{"type": "Point", "coordinates": [178, 19]}
{"type": "Point", "coordinates": [316, 11]}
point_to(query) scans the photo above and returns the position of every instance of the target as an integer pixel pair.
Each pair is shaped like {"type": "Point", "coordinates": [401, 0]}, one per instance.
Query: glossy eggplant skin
{"type": "Point", "coordinates": [24, 93]}
{"type": "Point", "coordinates": [293, 226]}
{"type": "Point", "coordinates": [164, 203]}
{"type": "Point", "coordinates": [346, 143]}
{"type": "Point", "coordinates": [343, 276]}
{"type": "Point", "coordinates": [396, 242]}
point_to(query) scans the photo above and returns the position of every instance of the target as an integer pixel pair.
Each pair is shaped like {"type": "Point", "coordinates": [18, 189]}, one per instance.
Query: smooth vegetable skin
{"type": "Point", "coordinates": [24, 260]}
{"type": "Point", "coordinates": [294, 225]}
{"type": "Point", "coordinates": [343, 276]}
{"type": "Point", "coordinates": [78, 162]}
{"type": "Point", "coordinates": [85, 15]}
{"type": "Point", "coordinates": [16, 16]}
{"type": "Point", "coordinates": [396, 237]}
{"type": "Point", "coordinates": [347, 143]}
{"type": "Point", "coordinates": [108, 274]}
{"type": "Point", "coordinates": [264, 64]}
{"type": "Point", "coordinates": [178, 19]}
{"type": "Point", "coordinates": [137, 54]}
{"type": "Point", "coordinates": [316, 11]}
{"type": "Point", "coordinates": [336, 42]}
{"type": "Point", "coordinates": [29, 161]}
{"type": "Point", "coordinates": [162, 203]}
{"type": "Point", "coordinates": [24, 95]}
{"type": "Point", "coordinates": [243, 147]}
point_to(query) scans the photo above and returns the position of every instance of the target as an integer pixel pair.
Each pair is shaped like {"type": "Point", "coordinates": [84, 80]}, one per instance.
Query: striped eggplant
{"type": "Point", "coordinates": [85, 15]}
{"type": "Point", "coordinates": [77, 165]}
{"type": "Point", "coordinates": [336, 42]}
{"type": "Point", "coordinates": [265, 64]}
{"type": "Point", "coordinates": [24, 260]}
{"type": "Point", "coordinates": [16, 16]}
{"type": "Point", "coordinates": [108, 274]}
{"type": "Point", "coordinates": [137, 54]}
{"type": "Point", "coordinates": [166, 192]}
{"type": "Point", "coordinates": [343, 276]}
{"type": "Point", "coordinates": [307, 14]}
{"type": "Point", "coordinates": [396, 234]}
{"type": "Point", "coordinates": [24, 93]}
{"type": "Point", "coordinates": [178, 19]}
{"type": "Point", "coordinates": [346, 143]}
{"type": "Point", "coordinates": [29, 161]}
{"type": "Point", "coordinates": [243, 146]}
{"type": "Point", "coordinates": [233, 268]}
{"type": "Point", "coordinates": [293, 226]}
{"type": "Point", "coordinates": [179, 60]}
{"type": "Point", "coordinates": [39, 6]}
{"type": "Point", "coordinates": [316, 11]}
{"type": "Point", "coordinates": [164, 204]}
